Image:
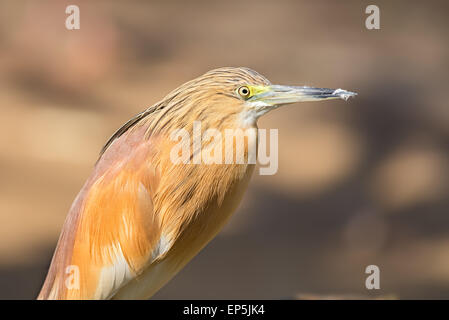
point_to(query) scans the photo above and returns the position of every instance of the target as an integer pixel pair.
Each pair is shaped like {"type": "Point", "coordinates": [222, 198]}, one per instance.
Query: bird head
{"type": "Point", "coordinates": [251, 94]}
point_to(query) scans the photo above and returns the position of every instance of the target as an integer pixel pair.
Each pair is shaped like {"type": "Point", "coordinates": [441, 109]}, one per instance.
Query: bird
{"type": "Point", "coordinates": [140, 218]}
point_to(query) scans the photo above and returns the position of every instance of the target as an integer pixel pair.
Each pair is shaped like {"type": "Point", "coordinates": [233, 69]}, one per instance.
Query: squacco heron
{"type": "Point", "coordinates": [140, 217]}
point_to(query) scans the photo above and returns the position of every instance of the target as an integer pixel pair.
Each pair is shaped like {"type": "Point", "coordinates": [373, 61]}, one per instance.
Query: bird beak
{"type": "Point", "coordinates": [278, 94]}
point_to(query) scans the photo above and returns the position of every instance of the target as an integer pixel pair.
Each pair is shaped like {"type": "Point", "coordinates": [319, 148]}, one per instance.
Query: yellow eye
{"type": "Point", "coordinates": [244, 92]}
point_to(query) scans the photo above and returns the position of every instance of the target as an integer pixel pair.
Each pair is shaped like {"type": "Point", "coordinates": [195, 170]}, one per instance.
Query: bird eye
{"type": "Point", "coordinates": [244, 92]}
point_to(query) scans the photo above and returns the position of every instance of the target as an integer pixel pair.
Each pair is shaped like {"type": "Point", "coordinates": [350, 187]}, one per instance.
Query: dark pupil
{"type": "Point", "coordinates": [244, 91]}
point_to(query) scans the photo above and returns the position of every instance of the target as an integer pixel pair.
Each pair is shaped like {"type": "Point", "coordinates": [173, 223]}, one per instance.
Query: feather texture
{"type": "Point", "coordinates": [140, 218]}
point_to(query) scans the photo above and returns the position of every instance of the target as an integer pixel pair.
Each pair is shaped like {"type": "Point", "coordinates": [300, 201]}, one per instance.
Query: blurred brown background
{"type": "Point", "coordinates": [359, 183]}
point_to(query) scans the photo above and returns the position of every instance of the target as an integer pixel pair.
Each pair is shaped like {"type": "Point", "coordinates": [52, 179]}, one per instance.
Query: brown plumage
{"type": "Point", "coordinates": [140, 218]}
